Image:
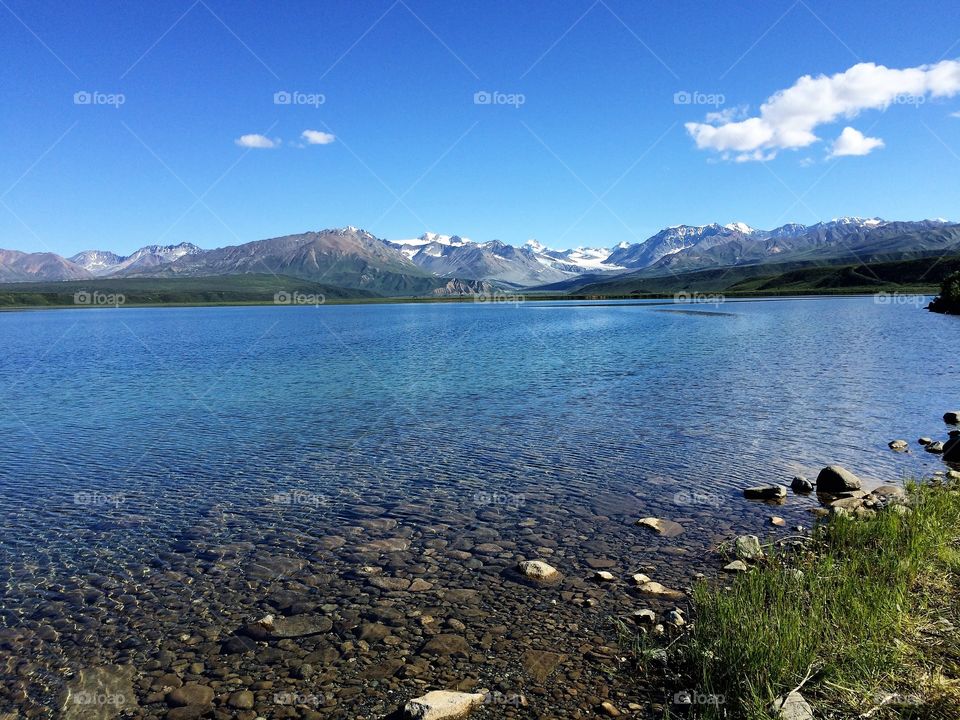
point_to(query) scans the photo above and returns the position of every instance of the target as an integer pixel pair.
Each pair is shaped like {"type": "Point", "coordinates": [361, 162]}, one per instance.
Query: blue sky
{"type": "Point", "coordinates": [600, 151]}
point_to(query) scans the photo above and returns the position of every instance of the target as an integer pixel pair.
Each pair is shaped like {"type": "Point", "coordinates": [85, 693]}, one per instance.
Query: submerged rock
{"type": "Point", "coordinates": [99, 693]}
{"type": "Point", "coordinates": [667, 528]}
{"type": "Point", "coordinates": [765, 492]}
{"type": "Point", "coordinates": [538, 570]}
{"type": "Point", "coordinates": [935, 447]}
{"type": "Point", "coordinates": [835, 478]}
{"type": "Point", "coordinates": [442, 705]}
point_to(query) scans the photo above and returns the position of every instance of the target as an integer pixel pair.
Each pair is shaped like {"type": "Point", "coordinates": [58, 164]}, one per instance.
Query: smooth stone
{"type": "Point", "coordinates": [835, 478]}
{"type": "Point", "coordinates": [540, 664]}
{"type": "Point", "coordinates": [538, 570]}
{"type": "Point", "coordinates": [603, 576]}
{"type": "Point", "coordinates": [190, 694]}
{"type": "Point", "coordinates": [778, 521]}
{"type": "Point", "coordinates": [294, 626]}
{"type": "Point", "coordinates": [925, 441]}
{"type": "Point", "coordinates": [898, 445]}
{"type": "Point", "coordinates": [765, 492]}
{"type": "Point", "coordinates": [736, 566]}
{"type": "Point", "coordinates": [644, 616]}
{"type": "Point", "coordinates": [447, 645]}
{"type": "Point", "coordinates": [640, 578]}
{"type": "Point", "coordinates": [386, 545]}
{"type": "Point", "coordinates": [655, 588]}
{"type": "Point", "coordinates": [241, 700]}
{"type": "Point", "coordinates": [800, 484]}
{"type": "Point", "coordinates": [442, 705]}
{"type": "Point", "coordinates": [609, 709]}
{"type": "Point", "coordinates": [390, 583]}
{"type": "Point", "coordinates": [666, 528]}
{"type": "Point", "coordinates": [935, 447]}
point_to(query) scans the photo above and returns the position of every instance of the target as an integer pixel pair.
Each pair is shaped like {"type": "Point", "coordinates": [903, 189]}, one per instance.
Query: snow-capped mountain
{"type": "Point", "coordinates": [577, 260]}
{"type": "Point", "coordinates": [103, 262]}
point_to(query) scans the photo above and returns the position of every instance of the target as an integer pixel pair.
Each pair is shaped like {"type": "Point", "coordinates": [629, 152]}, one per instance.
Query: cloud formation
{"type": "Point", "coordinates": [789, 118]}
{"type": "Point", "coordinates": [253, 140]}
{"type": "Point", "coordinates": [854, 142]}
{"type": "Point", "coordinates": [316, 137]}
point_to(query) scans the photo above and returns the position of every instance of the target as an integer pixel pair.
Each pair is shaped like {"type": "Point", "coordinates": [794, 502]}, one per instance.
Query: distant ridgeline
{"type": "Point", "coordinates": [949, 299]}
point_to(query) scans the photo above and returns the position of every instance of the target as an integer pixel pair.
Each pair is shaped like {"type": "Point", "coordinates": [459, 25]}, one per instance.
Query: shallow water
{"type": "Point", "coordinates": [167, 474]}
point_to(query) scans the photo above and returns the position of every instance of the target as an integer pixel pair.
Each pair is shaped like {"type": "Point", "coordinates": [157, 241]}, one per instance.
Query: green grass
{"type": "Point", "coordinates": [859, 624]}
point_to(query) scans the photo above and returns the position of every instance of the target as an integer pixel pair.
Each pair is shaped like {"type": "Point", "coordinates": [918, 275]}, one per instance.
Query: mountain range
{"type": "Point", "coordinates": [449, 264]}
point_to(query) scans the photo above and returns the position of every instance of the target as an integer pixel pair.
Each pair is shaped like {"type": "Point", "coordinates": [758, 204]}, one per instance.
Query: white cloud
{"type": "Point", "coordinates": [253, 140]}
{"type": "Point", "coordinates": [316, 137]}
{"type": "Point", "coordinates": [854, 142]}
{"type": "Point", "coordinates": [788, 118]}
{"type": "Point", "coordinates": [956, 114]}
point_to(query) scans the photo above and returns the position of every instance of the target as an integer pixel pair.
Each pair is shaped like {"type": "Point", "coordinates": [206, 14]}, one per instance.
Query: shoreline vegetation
{"type": "Point", "coordinates": [857, 618]}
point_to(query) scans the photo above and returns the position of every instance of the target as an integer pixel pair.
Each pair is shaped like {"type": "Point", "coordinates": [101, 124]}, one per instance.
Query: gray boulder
{"type": "Point", "coordinates": [952, 417]}
{"type": "Point", "coordinates": [765, 492]}
{"type": "Point", "coordinates": [801, 485]}
{"type": "Point", "coordinates": [833, 479]}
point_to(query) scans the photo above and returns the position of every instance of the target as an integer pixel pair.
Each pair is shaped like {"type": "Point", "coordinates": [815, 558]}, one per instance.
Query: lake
{"type": "Point", "coordinates": [168, 475]}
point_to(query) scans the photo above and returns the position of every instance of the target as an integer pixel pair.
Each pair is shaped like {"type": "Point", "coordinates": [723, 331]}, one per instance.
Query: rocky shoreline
{"type": "Point", "coordinates": [406, 600]}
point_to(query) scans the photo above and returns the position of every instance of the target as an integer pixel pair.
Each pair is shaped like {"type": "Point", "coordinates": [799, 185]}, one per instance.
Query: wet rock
{"type": "Point", "coordinates": [540, 664]}
{"type": "Point", "coordinates": [442, 705]}
{"type": "Point", "coordinates": [952, 417]}
{"type": "Point", "coordinates": [446, 645]}
{"type": "Point", "coordinates": [747, 547]}
{"type": "Point", "coordinates": [390, 583]}
{"type": "Point", "coordinates": [386, 545]}
{"type": "Point", "coordinates": [666, 528]}
{"type": "Point", "coordinates": [800, 484]}
{"type": "Point", "coordinates": [241, 700]}
{"type": "Point", "coordinates": [835, 478]}
{"type": "Point", "coordinates": [935, 447]}
{"type": "Point", "coordinates": [190, 694]}
{"type": "Point", "coordinates": [658, 590]}
{"type": "Point", "coordinates": [778, 521]}
{"type": "Point", "coordinates": [276, 628]}
{"type": "Point", "coordinates": [609, 709]}
{"type": "Point", "coordinates": [924, 441]}
{"type": "Point", "coordinates": [765, 492]}
{"type": "Point", "coordinates": [538, 570]}
{"type": "Point", "coordinates": [792, 707]}
{"type": "Point", "coordinates": [898, 445]}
